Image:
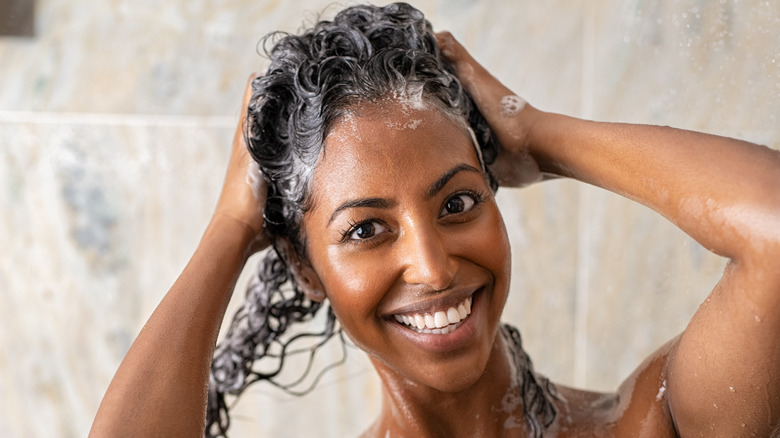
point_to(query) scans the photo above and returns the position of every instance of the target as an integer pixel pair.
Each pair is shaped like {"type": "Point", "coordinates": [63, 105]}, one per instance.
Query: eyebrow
{"type": "Point", "coordinates": [383, 203]}
{"type": "Point", "coordinates": [357, 203]}
{"type": "Point", "coordinates": [439, 184]}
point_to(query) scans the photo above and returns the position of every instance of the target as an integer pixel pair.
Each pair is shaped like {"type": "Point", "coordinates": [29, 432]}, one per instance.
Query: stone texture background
{"type": "Point", "coordinates": [115, 126]}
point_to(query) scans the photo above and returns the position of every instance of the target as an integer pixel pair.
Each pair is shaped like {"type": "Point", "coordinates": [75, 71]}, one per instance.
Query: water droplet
{"type": "Point", "coordinates": [743, 425]}
{"type": "Point", "coordinates": [716, 406]}
{"type": "Point", "coordinates": [758, 318]}
{"type": "Point", "coordinates": [731, 389]}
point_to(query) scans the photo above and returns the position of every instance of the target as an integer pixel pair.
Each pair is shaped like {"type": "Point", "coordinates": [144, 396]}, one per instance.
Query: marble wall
{"type": "Point", "coordinates": [115, 124]}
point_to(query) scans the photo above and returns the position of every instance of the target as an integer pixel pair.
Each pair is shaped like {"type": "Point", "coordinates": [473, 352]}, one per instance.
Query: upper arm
{"type": "Point", "coordinates": [724, 375]}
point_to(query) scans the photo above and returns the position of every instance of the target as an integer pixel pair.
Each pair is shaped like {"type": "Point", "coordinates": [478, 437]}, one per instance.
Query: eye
{"type": "Point", "coordinates": [459, 203]}
{"type": "Point", "coordinates": [364, 230]}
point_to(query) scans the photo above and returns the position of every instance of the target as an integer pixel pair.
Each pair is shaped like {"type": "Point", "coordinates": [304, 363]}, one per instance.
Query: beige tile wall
{"type": "Point", "coordinates": [115, 122]}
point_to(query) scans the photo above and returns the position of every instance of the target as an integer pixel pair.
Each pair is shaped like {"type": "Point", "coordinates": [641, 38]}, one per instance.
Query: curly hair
{"type": "Point", "coordinates": [366, 53]}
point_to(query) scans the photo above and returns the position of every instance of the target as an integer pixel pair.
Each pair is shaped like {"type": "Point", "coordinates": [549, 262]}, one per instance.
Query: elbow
{"type": "Point", "coordinates": [755, 233]}
{"type": "Point", "coordinates": [752, 239]}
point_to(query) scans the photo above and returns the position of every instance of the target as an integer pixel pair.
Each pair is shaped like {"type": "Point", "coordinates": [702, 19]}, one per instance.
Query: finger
{"type": "Point", "coordinates": [244, 191]}
{"type": "Point", "coordinates": [239, 138]}
{"type": "Point", "coordinates": [241, 151]}
{"type": "Point", "coordinates": [501, 108]}
{"type": "Point", "coordinates": [495, 101]}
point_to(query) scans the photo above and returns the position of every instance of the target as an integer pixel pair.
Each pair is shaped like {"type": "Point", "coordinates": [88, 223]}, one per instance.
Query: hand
{"type": "Point", "coordinates": [244, 190]}
{"type": "Point", "coordinates": [510, 117]}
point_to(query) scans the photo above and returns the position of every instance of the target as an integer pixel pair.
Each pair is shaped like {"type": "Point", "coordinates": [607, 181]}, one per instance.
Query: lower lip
{"type": "Point", "coordinates": [453, 340]}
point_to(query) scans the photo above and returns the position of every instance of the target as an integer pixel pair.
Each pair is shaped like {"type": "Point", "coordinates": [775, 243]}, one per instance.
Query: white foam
{"type": "Point", "coordinates": [511, 105]}
{"type": "Point", "coordinates": [661, 391]}
{"type": "Point", "coordinates": [414, 124]}
{"type": "Point", "coordinates": [509, 404]}
{"type": "Point", "coordinates": [253, 178]}
{"type": "Point", "coordinates": [348, 130]}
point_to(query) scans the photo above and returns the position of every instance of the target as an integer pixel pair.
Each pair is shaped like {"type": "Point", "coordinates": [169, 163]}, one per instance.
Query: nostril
{"type": "Point", "coordinates": [428, 261]}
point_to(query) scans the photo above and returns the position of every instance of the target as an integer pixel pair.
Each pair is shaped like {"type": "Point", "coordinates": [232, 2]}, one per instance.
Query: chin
{"type": "Point", "coordinates": [451, 362]}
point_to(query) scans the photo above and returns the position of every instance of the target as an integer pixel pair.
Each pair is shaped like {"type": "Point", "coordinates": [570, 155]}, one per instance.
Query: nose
{"type": "Point", "coordinates": [427, 258]}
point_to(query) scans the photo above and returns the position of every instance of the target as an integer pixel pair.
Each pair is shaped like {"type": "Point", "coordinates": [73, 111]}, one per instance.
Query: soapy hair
{"type": "Point", "coordinates": [365, 54]}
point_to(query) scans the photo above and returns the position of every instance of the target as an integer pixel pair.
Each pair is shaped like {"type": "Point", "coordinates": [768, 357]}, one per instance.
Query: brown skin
{"type": "Point", "coordinates": [159, 389]}
{"type": "Point", "coordinates": [722, 374]}
{"type": "Point", "coordinates": [415, 254]}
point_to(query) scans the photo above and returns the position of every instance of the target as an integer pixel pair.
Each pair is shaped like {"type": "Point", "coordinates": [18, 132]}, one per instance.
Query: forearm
{"type": "Point", "coordinates": [723, 192]}
{"type": "Point", "coordinates": [160, 387]}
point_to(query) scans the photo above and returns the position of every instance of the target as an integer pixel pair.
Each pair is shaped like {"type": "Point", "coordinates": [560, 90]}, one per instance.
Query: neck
{"type": "Point", "coordinates": [491, 406]}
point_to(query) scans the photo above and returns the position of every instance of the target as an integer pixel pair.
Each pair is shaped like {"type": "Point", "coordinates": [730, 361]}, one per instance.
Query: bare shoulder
{"type": "Point", "coordinates": [638, 408]}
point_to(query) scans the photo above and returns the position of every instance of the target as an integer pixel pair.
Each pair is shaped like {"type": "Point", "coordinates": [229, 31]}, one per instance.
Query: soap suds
{"type": "Point", "coordinates": [414, 124]}
{"type": "Point", "coordinates": [253, 178]}
{"type": "Point", "coordinates": [509, 405]}
{"type": "Point", "coordinates": [475, 143]}
{"type": "Point", "coordinates": [661, 391]}
{"type": "Point", "coordinates": [511, 105]}
{"type": "Point", "coordinates": [348, 129]}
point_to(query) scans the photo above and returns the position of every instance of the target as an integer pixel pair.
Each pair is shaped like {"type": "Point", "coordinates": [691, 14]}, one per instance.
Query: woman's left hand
{"type": "Point", "coordinates": [510, 117]}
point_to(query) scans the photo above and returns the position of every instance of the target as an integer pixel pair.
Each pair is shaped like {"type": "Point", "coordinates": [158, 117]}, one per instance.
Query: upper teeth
{"type": "Point", "coordinates": [437, 320]}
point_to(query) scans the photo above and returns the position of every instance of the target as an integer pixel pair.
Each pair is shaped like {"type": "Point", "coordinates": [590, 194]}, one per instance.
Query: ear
{"type": "Point", "coordinates": [303, 273]}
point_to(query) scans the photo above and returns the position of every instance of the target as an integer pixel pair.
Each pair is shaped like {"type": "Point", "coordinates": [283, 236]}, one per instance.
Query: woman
{"type": "Point", "coordinates": [379, 175]}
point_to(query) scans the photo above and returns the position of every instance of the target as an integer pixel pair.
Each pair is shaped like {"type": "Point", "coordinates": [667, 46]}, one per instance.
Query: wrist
{"type": "Point", "coordinates": [529, 127]}
{"type": "Point", "coordinates": [545, 140]}
{"type": "Point", "coordinates": [229, 230]}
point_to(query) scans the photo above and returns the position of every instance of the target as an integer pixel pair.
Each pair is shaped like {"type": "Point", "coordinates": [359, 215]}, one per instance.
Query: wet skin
{"type": "Point", "coordinates": [420, 241]}
{"type": "Point", "coordinates": [403, 221]}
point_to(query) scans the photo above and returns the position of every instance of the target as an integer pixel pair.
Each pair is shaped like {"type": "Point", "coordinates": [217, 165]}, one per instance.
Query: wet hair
{"type": "Point", "coordinates": [365, 54]}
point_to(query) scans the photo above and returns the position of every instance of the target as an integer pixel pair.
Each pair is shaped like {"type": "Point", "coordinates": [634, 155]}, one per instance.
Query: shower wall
{"type": "Point", "coordinates": [115, 127]}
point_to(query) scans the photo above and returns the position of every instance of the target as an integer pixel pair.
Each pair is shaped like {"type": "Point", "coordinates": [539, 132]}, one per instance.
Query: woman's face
{"type": "Point", "coordinates": [406, 238]}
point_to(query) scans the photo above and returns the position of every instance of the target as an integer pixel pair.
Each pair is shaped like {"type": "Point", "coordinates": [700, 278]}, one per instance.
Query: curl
{"type": "Point", "coordinates": [258, 340]}
{"type": "Point", "coordinates": [537, 392]}
{"type": "Point", "coordinates": [365, 53]}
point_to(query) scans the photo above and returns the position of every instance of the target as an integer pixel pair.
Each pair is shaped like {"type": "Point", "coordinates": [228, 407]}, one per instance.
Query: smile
{"type": "Point", "coordinates": [439, 322]}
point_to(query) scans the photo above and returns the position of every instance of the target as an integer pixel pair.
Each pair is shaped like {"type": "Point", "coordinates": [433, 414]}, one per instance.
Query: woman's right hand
{"type": "Point", "coordinates": [508, 115]}
{"type": "Point", "coordinates": [244, 190]}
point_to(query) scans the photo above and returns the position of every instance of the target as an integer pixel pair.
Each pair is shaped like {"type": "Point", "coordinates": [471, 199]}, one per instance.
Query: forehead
{"type": "Point", "coordinates": [388, 146]}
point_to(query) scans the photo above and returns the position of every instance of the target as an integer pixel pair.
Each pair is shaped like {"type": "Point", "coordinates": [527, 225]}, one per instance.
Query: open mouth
{"type": "Point", "coordinates": [439, 322]}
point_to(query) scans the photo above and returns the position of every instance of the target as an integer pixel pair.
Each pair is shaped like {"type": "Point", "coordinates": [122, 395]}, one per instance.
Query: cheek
{"type": "Point", "coordinates": [503, 252]}
{"type": "Point", "coordinates": [488, 245]}
{"type": "Point", "coordinates": [348, 272]}
{"type": "Point", "coordinates": [355, 284]}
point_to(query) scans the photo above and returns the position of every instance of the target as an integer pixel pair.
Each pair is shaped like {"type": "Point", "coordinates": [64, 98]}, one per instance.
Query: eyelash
{"type": "Point", "coordinates": [352, 226]}
{"type": "Point", "coordinates": [477, 196]}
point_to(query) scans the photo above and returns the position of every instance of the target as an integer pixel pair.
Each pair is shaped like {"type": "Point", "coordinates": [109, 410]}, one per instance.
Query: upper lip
{"type": "Point", "coordinates": [441, 300]}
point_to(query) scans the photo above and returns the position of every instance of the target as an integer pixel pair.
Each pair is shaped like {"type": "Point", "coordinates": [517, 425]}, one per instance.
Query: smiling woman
{"type": "Point", "coordinates": [380, 147]}
{"type": "Point", "coordinates": [379, 199]}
